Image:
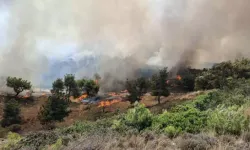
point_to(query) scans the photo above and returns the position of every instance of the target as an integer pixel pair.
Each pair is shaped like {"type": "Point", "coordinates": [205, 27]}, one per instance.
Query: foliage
{"type": "Point", "coordinates": [13, 139]}
{"type": "Point", "coordinates": [207, 101]}
{"type": "Point", "coordinates": [58, 145]}
{"type": "Point", "coordinates": [78, 127]}
{"type": "Point", "coordinates": [58, 86]}
{"type": "Point", "coordinates": [196, 142]}
{"type": "Point", "coordinates": [171, 131]}
{"type": "Point", "coordinates": [81, 84]}
{"type": "Point", "coordinates": [218, 75]}
{"type": "Point", "coordinates": [55, 109]}
{"type": "Point", "coordinates": [38, 140]}
{"type": "Point", "coordinates": [91, 87]}
{"type": "Point", "coordinates": [159, 86]}
{"type": "Point", "coordinates": [136, 89]}
{"type": "Point", "coordinates": [138, 117]}
{"type": "Point", "coordinates": [97, 76]}
{"type": "Point", "coordinates": [187, 119]}
{"type": "Point", "coordinates": [229, 120]}
{"type": "Point", "coordinates": [70, 84]}
{"type": "Point", "coordinates": [11, 113]}
{"type": "Point", "coordinates": [18, 84]}
{"type": "Point", "coordinates": [188, 82]}
{"type": "Point", "coordinates": [14, 127]}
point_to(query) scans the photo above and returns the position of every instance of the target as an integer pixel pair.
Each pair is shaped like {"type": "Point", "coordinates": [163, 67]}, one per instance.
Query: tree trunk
{"type": "Point", "coordinates": [159, 99]}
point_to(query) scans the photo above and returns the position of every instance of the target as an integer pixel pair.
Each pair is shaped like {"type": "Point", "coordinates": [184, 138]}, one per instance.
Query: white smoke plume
{"type": "Point", "coordinates": [126, 34]}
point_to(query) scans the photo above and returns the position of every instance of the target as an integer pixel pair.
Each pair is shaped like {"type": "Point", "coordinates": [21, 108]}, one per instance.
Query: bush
{"type": "Point", "coordinates": [13, 139]}
{"type": "Point", "coordinates": [207, 101]}
{"type": "Point", "coordinates": [188, 119]}
{"type": "Point", "coordinates": [14, 128]}
{"type": "Point", "coordinates": [196, 142]}
{"type": "Point", "coordinates": [78, 127]}
{"type": "Point", "coordinates": [11, 113]}
{"type": "Point", "coordinates": [218, 75]}
{"type": "Point", "coordinates": [171, 131]}
{"type": "Point", "coordinates": [57, 146]}
{"type": "Point", "coordinates": [228, 120]}
{"type": "Point", "coordinates": [38, 140]}
{"type": "Point", "coordinates": [188, 82]}
{"type": "Point", "coordinates": [138, 117]}
{"type": "Point", "coordinates": [55, 109]}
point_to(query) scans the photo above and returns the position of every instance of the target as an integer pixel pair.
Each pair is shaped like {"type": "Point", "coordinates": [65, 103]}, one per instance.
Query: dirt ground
{"type": "Point", "coordinates": [92, 112]}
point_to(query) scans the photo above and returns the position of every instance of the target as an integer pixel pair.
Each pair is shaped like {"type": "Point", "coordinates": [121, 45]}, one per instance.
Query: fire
{"type": "Point", "coordinates": [26, 96]}
{"type": "Point", "coordinates": [167, 81]}
{"type": "Point", "coordinates": [96, 81]}
{"type": "Point", "coordinates": [178, 77]}
{"type": "Point", "coordinates": [112, 94]}
{"type": "Point", "coordinates": [83, 96]}
{"type": "Point", "coordinates": [108, 103]}
{"type": "Point", "coordinates": [125, 91]}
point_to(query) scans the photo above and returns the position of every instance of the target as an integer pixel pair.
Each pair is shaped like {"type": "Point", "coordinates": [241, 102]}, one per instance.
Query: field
{"type": "Point", "coordinates": [92, 112]}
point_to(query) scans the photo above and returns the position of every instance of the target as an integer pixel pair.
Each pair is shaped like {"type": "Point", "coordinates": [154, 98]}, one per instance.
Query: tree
{"type": "Point", "coordinates": [11, 113]}
{"type": "Point", "coordinates": [55, 109]}
{"type": "Point", "coordinates": [97, 76]}
{"type": "Point", "coordinates": [70, 84]}
{"type": "Point", "coordinates": [18, 84]}
{"type": "Point", "coordinates": [158, 83]}
{"type": "Point", "coordinates": [81, 84]}
{"type": "Point", "coordinates": [91, 87]}
{"type": "Point", "coordinates": [58, 86]}
{"type": "Point", "coordinates": [136, 89]}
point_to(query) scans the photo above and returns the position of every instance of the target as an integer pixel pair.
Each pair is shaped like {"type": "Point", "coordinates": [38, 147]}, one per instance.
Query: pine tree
{"type": "Point", "coordinates": [159, 86]}
{"type": "Point", "coordinates": [55, 109]}
{"type": "Point", "coordinates": [11, 113]}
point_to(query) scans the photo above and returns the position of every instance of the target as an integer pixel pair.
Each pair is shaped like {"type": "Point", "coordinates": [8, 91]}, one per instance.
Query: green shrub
{"type": "Point", "coordinates": [188, 82]}
{"type": "Point", "coordinates": [38, 140]}
{"type": "Point", "coordinates": [189, 120]}
{"type": "Point", "coordinates": [78, 127]}
{"type": "Point", "coordinates": [13, 139]}
{"type": "Point", "coordinates": [58, 145]}
{"type": "Point", "coordinates": [55, 109]}
{"type": "Point", "coordinates": [11, 113]}
{"type": "Point", "coordinates": [229, 120]}
{"type": "Point", "coordinates": [171, 131]}
{"type": "Point", "coordinates": [207, 101]}
{"type": "Point", "coordinates": [221, 74]}
{"type": "Point", "coordinates": [138, 117]}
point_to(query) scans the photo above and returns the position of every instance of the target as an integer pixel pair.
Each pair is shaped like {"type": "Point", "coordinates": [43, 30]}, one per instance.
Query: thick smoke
{"type": "Point", "coordinates": [125, 34]}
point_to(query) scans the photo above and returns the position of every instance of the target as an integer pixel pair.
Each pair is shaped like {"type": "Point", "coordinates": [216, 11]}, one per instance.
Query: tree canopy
{"type": "Point", "coordinates": [58, 85]}
{"type": "Point", "coordinates": [18, 84]}
{"type": "Point", "coordinates": [136, 89]}
{"type": "Point", "coordinates": [158, 83]}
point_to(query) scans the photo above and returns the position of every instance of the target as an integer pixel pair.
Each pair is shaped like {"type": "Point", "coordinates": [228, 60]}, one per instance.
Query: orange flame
{"type": "Point", "coordinates": [113, 94]}
{"type": "Point", "coordinates": [96, 81]}
{"type": "Point", "coordinates": [125, 91]}
{"type": "Point", "coordinates": [83, 96]}
{"type": "Point", "coordinates": [108, 103]}
{"type": "Point", "coordinates": [178, 77]}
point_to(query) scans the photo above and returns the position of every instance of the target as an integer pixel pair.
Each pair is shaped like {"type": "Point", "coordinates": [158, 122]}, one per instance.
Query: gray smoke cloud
{"type": "Point", "coordinates": [124, 34]}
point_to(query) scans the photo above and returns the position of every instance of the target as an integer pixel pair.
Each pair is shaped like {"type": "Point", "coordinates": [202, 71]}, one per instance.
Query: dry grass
{"type": "Point", "coordinates": [91, 112]}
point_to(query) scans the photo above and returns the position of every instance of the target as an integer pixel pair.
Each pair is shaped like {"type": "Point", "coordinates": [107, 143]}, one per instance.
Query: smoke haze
{"type": "Point", "coordinates": [124, 34]}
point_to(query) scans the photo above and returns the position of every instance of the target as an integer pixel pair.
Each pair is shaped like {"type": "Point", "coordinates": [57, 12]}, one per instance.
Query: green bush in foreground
{"type": "Point", "coordinates": [138, 117]}
{"type": "Point", "coordinates": [13, 139]}
{"type": "Point", "coordinates": [171, 131]}
{"type": "Point", "coordinates": [229, 120]}
{"type": "Point", "coordinates": [191, 120]}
